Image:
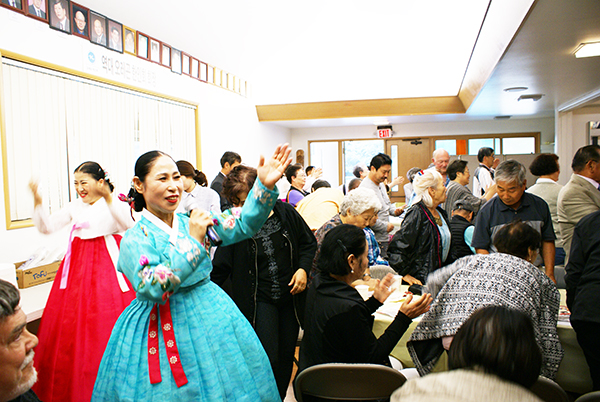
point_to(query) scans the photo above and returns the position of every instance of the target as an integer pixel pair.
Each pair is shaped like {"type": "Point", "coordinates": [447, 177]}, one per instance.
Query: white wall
{"type": "Point", "coordinates": [572, 134]}
{"type": "Point", "coordinates": [228, 121]}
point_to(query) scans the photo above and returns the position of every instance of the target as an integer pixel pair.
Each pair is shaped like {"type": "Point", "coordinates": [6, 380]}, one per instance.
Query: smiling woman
{"type": "Point", "coordinates": [204, 348]}
{"type": "Point", "coordinates": [88, 293]}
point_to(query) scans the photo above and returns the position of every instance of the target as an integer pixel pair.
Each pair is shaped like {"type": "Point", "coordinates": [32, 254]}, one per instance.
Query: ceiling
{"type": "Point", "coordinates": [337, 63]}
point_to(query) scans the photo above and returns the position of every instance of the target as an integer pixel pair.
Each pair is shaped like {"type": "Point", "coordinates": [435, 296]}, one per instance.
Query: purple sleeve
{"type": "Point", "coordinates": [295, 197]}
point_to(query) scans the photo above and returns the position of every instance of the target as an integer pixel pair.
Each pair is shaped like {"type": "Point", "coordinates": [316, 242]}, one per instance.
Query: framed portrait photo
{"type": "Point", "coordinates": [60, 15]}
{"type": "Point", "coordinates": [115, 36]}
{"type": "Point", "coordinates": [165, 55]}
{"type": "Point", "coordinates": [80, 17]}
{"type": "Point", "coordinates": [203, 71]}
{"type": "Point", "coordinates": [154, 50]}
{"type": "Point", "coordinates": [15, 5]}
{"type": "Point", "coordinates": [97, 29]}
{"type": "Point", "coordinates": [185, 63]}
{"type": "Point", "coordinates": [176, 66]}
{"type": "Point", "coordinates": [129, 41]}
{"type": "Point", "coordinates": [195, 64]}
{"type": "Point", "coordinates": [142, 46]}
{"type": "Point", "coordinates": [210, 77]}
{"type": "Point", "coordinates": [37, 9]}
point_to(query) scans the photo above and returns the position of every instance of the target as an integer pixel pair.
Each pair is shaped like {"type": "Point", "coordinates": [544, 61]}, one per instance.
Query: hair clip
{"type": "Point", "coordinates": [128, 200]}
{"type": "Point", "coordinates": [420, 172]}
{"type": "Point", "coordinates": [342, 246]}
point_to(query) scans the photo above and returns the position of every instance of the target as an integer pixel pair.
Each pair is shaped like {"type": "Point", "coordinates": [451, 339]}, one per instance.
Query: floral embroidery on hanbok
{"type": "Point", "coordinates": [161, 274]}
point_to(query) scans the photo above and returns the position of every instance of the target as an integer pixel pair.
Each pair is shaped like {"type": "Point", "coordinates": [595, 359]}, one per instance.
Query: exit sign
{"type": "Point", "coordinates": [384, 133]}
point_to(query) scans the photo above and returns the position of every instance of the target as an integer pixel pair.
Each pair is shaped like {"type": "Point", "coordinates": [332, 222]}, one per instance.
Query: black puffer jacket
{"type": "Point", "coordinates": [416, 249]}
{"type": "Point", "coordinates": [238, 262]}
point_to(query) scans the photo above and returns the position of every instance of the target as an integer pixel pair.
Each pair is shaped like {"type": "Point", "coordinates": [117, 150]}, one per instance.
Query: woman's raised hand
{"type": "Point", "coordinates": [105, 192]}
{"type": "Point", "coordinates": [270, 171]}
{"type": "Point", "coordinates": [37, 198]}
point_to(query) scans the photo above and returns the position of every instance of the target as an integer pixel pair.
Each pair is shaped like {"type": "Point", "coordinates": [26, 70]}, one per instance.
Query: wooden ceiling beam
{"type": "Point", "coordinates": [360, 108]}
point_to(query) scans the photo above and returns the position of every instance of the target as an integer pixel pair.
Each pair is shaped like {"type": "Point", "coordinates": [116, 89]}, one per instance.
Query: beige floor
{"type": "Point", "coordinates": [289, 397]}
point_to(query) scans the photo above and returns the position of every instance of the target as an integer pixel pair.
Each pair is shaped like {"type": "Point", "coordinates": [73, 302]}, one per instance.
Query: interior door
{"type": "Point", "coordinates": [407, 153]}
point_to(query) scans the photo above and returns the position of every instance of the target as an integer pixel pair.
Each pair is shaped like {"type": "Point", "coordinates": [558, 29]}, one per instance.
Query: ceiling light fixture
{"type": "Point", "coordinates": [515, 89]}
{"type": "Point", "coordinates": [590, 49]}
{"type": "Point", "coordinates": [533, 97]}
{"type": "Point", "coordinates": [504, 117]}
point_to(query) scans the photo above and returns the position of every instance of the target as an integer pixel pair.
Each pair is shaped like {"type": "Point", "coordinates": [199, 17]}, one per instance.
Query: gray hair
{"type": "Point", "coordinates": [9, 299]}
{"type": "Point", "coordinates": [429, 178]}
{"type": "Point", "coordinates": [510, 170]}
{"type": "Point", "coordinates": [358, 201]}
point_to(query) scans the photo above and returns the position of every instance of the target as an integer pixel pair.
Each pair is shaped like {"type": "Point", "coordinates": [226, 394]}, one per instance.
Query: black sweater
{"type": "Point", "coordinates": [238, 262]}
{"type": "Point", "coordinates": [339, 326]}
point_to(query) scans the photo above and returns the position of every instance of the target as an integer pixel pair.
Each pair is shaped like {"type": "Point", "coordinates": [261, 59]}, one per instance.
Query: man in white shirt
{"type": "Point", "coordinates": [483, 177]}
{"type": "Point", "coordinates": [380, 168]}
{"type": "Point", "coordinates": [440, 159]}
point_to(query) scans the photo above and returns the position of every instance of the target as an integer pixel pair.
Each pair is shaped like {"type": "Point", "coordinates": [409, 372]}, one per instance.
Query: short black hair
{"type": "Point", "coordinates": [584, 155]}
{"type": "Point", "coordinates": [9, 299]}
{"type": "Point", "coordinates": [357, 171]}
{"type": "Point", "coordinates": [455, 167]}
{"type": "Point", "coordinates": [499, 341]}
{"type": "Point", "coordinates": [337, 245]}
{"type": "Point", "coordinates": [320, 183]}
{"type": "Point", "coordinates": [230, 157]}
{"type": "Point", "coordinates": [379, 160]}
{"type": "Point", "coordinates": [483, 152]}
{"type": "Point", "coordinates": [517, 238]}
{"type": "Point", "coordinates": [292, 171]}
{"type": "Point", "coordinates": [544, 164]}
{"type": "Point", "coordinates": [309, 169]}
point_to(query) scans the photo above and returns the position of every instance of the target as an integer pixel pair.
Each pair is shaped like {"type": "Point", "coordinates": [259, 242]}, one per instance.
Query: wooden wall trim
{"type": "Point", "coordinates": [360, 108]}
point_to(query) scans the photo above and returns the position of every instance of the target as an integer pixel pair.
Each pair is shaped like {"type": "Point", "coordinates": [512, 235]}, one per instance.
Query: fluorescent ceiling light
{"type": "Point", "coordinates": [515, 89]}
{"type": "Point", "coordinates": [588, 50]}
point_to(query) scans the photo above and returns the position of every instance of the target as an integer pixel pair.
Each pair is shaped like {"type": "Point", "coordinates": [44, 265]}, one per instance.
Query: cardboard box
{"type": "Point", "coordinates": [37, 275]}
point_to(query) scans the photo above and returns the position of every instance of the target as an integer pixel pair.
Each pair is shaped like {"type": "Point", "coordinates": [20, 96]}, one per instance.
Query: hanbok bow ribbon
{"type": "Point", "coordinates": [67, 263]}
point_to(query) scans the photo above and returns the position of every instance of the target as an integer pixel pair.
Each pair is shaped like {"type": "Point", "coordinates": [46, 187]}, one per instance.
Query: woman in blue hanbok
{"type": "Point", "coordinates": [182, 338]}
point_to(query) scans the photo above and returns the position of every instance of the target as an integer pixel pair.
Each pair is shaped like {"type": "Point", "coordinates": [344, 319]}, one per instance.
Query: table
{"type": "Point", "coordinates": [573, 374]}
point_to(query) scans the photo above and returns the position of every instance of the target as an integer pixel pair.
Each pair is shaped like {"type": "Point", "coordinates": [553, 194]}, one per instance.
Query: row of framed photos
{"type": "Point", "coordinates": [72, 18]}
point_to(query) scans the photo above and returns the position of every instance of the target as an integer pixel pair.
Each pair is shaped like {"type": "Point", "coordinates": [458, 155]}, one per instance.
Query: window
{"type": "Point", "coordinates": [504, 144]}
{"type": "Point", "coordinates": [338, 158]}
{"type": "Point", "coordinates": [55, 121]}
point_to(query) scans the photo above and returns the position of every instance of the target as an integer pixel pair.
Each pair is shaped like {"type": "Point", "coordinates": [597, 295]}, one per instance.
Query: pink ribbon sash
{"type": "Point", "coordinates": [67, 264]}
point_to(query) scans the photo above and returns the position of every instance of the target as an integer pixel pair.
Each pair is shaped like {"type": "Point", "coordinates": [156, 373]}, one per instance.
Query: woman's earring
{"type": "Point", "coordinates": [351, 271]}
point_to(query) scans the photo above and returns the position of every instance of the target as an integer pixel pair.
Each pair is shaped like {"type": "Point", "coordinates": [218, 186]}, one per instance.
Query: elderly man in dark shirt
{"type": "Point", "coordinates": [512, 204]}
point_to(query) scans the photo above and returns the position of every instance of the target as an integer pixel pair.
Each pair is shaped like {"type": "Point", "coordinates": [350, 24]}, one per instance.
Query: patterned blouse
{"type": "Point", "coordinates": [481, 280]}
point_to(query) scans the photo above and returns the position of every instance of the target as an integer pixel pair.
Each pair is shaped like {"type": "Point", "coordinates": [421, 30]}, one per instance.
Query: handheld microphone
{"type": "Point", "coordinates": [215, 239]}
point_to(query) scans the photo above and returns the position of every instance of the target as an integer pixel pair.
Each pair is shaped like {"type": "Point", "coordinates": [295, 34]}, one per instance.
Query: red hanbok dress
{"type": "Point", "coordinates": [87, 297]}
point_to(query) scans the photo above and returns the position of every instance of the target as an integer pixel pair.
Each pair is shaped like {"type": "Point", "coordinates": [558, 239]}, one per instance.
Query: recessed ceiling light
{"type": "Point", "coordinates": [533, 97]}
{"type": "Point", "coordinates": [588, 50]}
{"type": "Point", "coordinates": [515, 89]}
